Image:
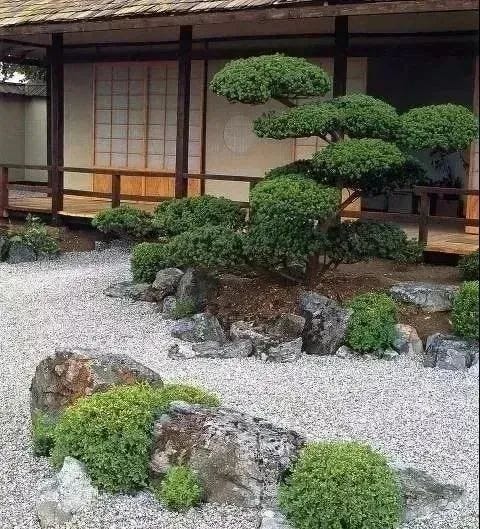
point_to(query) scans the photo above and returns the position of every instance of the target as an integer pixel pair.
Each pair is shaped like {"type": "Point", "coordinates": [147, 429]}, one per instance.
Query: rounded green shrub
{"type": "Point", "coordinates": [468, 266]}
{"type": "Point", "coordinates": [371, 326]}
{"type": "Point", "coordinates": [255, 80]}
{"type": "Point", "coordinates": [341, 485]}
{"type": "Point", "coordinates": [372, 165]}
{"type": "Point", "coordinates": [111, 432]}
{"type": "Point", "coordinates": [441, 127]}
{"type": "Point", "coordinates": [35, 234]}
{"type": "Point", "coordinates": [302, 168]}
{"type": "Point", "coordinates": [180, 215]}
{"type": "Point", "coordinates": [180, 489]}
{"type": "Point", "coordinates": [147, 259]}
{"type": "Point", "coordinates": [465, 311]}
{"type": "Point", "coordinates": [214, 247]}
{"type": "Point", "coordinates": [285, 214]}
{"type": "Point", "coordinates": [125, 222]}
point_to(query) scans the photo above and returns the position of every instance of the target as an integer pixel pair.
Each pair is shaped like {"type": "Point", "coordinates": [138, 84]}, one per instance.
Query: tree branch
{"type": "Point", "coordinates": [285, 101]}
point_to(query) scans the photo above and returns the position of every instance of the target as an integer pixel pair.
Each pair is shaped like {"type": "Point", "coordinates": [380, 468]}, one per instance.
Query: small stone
{"type": "Point", "coordinates": [166, 282]}
{"type": "Point", "coordinates": [288, 326]}
{"type": "Point", "coordinates": [199, 328]}
{"type": "Point", "coordinates": [450, 352]}
{"type": "Point", "coordinates": [407, 341]}
{"type": "Point", "coordinates": [387, 354]}
{"type": "Point", "coordinates": [131, 290]}
{"type": "Point", "coordinates": [284, 352]}
{"type": "Point", "coordinates": [198, 287]}
{"type": "Point", "coordinates": [19, 252]}
{"type": "Point", "coordinates": [430, 297]}
{"type": "Point", "coordinates": [242, 330]}
{"type": "Point", "coordinates": [345, 352]}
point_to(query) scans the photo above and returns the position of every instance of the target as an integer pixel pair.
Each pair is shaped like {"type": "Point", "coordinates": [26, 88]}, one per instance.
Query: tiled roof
{"type": "Point", "coordinates": [23, 89]}
{"type": "Point", "coordinates": [20, 12]}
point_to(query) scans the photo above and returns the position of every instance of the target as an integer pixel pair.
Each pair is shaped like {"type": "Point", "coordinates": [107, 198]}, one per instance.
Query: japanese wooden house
{"type": "Point", "coordinates": [131, 118]}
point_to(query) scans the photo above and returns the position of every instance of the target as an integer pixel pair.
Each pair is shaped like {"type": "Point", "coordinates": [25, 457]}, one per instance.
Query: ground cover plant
{"type": "Point", "coordinates": [180, 489]}
{"type": "Point", "coordinates": [465, 316]}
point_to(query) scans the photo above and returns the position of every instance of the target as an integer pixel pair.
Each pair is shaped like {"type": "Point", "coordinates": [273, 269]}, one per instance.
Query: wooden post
{"type": "Point", "coordinates": [423, 221]}
{"type": "Point", "coordinates": [56, 123]}
{"type": "Point", "coordinates": [4, 192]}
{"type": "Point", "coordinates": [116, 190]}
{"type": "Point", "coordinates": [49, 116]}
{"type": "Point", "coordinates": [183, 110]}
{"type": "Point", "coordinates": [340, 59]}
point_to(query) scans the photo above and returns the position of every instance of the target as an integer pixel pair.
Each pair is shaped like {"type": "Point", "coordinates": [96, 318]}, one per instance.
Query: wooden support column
{"type": "Point", "coordinates": [183, 110]}
{"type": "Point", "coordinates": [49, 116]}
{"type": "Point", "coordinates": [340, 59]}
{"type": "Point", "coordinates": [472, 210]}
{"type": "Point", "coordinates": [3, 192]}
{"type": "Point", "coordinates": [56, 123]}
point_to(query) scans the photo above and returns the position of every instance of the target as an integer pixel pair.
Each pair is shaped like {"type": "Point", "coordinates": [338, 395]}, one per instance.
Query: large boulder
{"type": "Point", "coordinates": [430, 297]}
{"type": "Point", "coordinates": [69, 374]}
{"type": "Point", "coordinates": [166, 282]}
{"type": "Point", "coordinates": [325, 324]}
{"type": "Point", "coordinates": [423, 494]}
{"type": "Point", "coordinates": [450, 352]}
{"type": "Point", "coordinates": [240, 459]}
{"type": "Point", "coordinates": [284, 352]}
{"type": "Point", "coordinates": [70, 492]}
{"type": "Point", "coordinates": [19, 252]}
{"type": "Point", "coordinates": [131, 290]}
{"type": "Point", "coordinates": [407, 341]}
{"type": "Point", "coordinates": [202, 327]}
{"type": "Point", "coordinates": [198, 287]}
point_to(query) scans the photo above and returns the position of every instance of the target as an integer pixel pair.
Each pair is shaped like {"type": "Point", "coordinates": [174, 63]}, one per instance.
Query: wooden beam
{"type": "Point", "coordinates": [340, 58]}
{"type": "Point", "coordinates": [258, 15]}
{"type": "Point", "coordinates": [183, 110]}
{"type": "Point", "coordinates": [57, 123]}
{"type": "Point", "coordinates": [3, 192]}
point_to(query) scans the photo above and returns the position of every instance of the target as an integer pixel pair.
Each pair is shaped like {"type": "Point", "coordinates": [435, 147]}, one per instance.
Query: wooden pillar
{"type": "Point", "coordinates": [49, 117]}
{"type": "Point", "coordinates": [3, 192]}
{"type": "Point", "coordinates": [340, 59]}
{"type": "Point", "coordinates": [472, 210]}
{"type": "Point", "coordinates": [56, 122]}
{"type": "Point", "coordinates": [183, 110]}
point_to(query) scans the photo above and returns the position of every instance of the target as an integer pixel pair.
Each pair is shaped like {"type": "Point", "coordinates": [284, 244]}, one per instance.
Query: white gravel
{"type": "Point", "coordinates": [422, 417]}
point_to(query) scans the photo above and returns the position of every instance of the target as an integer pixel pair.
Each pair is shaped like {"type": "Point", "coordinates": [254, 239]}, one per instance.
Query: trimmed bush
{"type": "Point", "coordinates": [285, 213]}
{"type": "Point", "coordinates": [468, 266]}
{"type": "Point", "coordinates": [180, 215]}
{"type": "Point", "coordinates": [465, 311]}
{"type": "Point", "coordinates": [341, 486]}
{"type": "Point", "coordinates": [111, 432]}
{"type": "Point", "coordinates": [372, 324]}
{"type": "Point", "coordinates": [255, 80]}
{"type": "Point", "coordinates": [43, 434]}
{"type": "Point", "coordinates": [180, 489]}
{"type": "Point", "coordinates": [302, 168]}
{"type": "Point", "coordinates": [147, 259]}
{"type": "Point", "coordinates": [124, 222]}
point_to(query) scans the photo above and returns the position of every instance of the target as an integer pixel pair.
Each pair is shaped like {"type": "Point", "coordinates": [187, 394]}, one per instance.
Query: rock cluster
{"type": "Point", "coordinates": [450, 352]}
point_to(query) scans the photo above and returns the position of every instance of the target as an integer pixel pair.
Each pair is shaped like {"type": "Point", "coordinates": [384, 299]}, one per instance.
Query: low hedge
{"type": "Point", "coordinates": [469, 266]}
{"type": "Point", "coordinates": [341, 485]}
{"type": "Point", "coordinates": [372, 324]}
{"type": "Point", "coordinates": [147, 259]}
{"type": "Point", "coordinates": [465, 317]}
{"type": "Point", "coordinates": [125, 222]}
{"type": "Point", "coordinates": [111, 432]}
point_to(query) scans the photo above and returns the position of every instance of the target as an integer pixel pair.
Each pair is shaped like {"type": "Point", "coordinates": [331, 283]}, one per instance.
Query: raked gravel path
{"type": "Point", "coordinates": [419, 416]}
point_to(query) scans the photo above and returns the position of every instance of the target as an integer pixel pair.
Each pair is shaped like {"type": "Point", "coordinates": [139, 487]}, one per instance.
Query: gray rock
{"type": "Point", "coordinates": [197, 286]}
{"type": "Point", "coordinates": [407, 341]}
{"type": "Point", "coordinates": [261, 341]}
{"type": "Point", "coordinates": [240, 459]}
{"type": "Point", "coordinates": [346, 352]}
{"type": "Point", "coordinates": [131, 290]}
{"type": "Point", "coordinates": [166, 282]}
{"type": "Point", "coordinates": [284, 352]}
{"type": "Point", "coordinates": [325, 325]}
{"type": "Point", "coordinates": [450, 352]}
{"type": "Point", "coordinates": [69, 374]}
{"type": "Point", "coordinates": [3, 247]}
{"type": "Point", "coordinates": [19, 252]}
{"type": "Point", "coordinates": [237, 349]}
{"type": "Point", "coordinates": [175, 352]}
{"type": "Point", "coordinates": [288, 326]}
{"type": "Point", "coordinates": [168, 306]}
{"type": "Point", "coordinates": [202, 327]}
{"type": "Point", "coordinates": [273, 520]}
{"type": "Point", "coordinates": [423, 494]}
{"type": "Point", "coordinates": [430, 297]}
{"type": "Point", "coordinates": [71, 492]}
{"type": "Point", "coordinates": [387, 354]}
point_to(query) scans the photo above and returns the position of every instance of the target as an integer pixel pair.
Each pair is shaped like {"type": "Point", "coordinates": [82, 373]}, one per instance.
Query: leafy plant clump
{"type": "Point", "coordinates": [182, 309]}
{"type": "Point", "coordinates": [125, 222]}
{"type": "Point", "coordinates": [180, 215]}
{"type": "Point", "coordinates": [371, 326]}
{"type": "Point", "coordinates": [43, 434]}
{"type": "Point", "coordinates": [341, 485]}
{"type": "Point", "coordinates": [180, 489]}
{"type": "Point", "coordinates": [147, 259]}
{"type": "Point", "coordinates": [111, 432]}
{"type": "Point", "coordinates": [468, 266]}
{"type": "Point", "coordinates": [465, 316]}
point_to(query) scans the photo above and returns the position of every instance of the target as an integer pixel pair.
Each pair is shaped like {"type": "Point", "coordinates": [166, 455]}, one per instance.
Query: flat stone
{"type": "Point", "coordinates": [407, 341]}
{"type": "Point", "coordinates": [202, 327]}
{"type": "Point", "coordinates": [166, 282]}
{"type": "Point", "coordinates": [430, 297]}
{"type": "Point", "coordinates": [197, 286]}
{"type": "Point", "coordinates": [325, 325]}
{"type": "Point", "coordinates": [240, 459]}
{"type": "Point", "coordinates": [72, 373]}
{"type": "Point", "coordinates": [423, 494]}
{"type": "Point", "coordinates": [19, 252]}
{"type": "Point", "coordinates": [450, 352]}
{"type": "Point", "coordinates": [288, 326]}
{"type": "Point", "coordinates": [131, 290]}
{"type": "Point", "coordinates": [284, 352]}
{"type": "Point", "coordinates": [237, 349]}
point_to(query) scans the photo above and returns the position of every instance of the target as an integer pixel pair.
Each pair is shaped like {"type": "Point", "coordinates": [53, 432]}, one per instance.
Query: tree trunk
{"type": "Point", "coordinates": [311, 270]}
